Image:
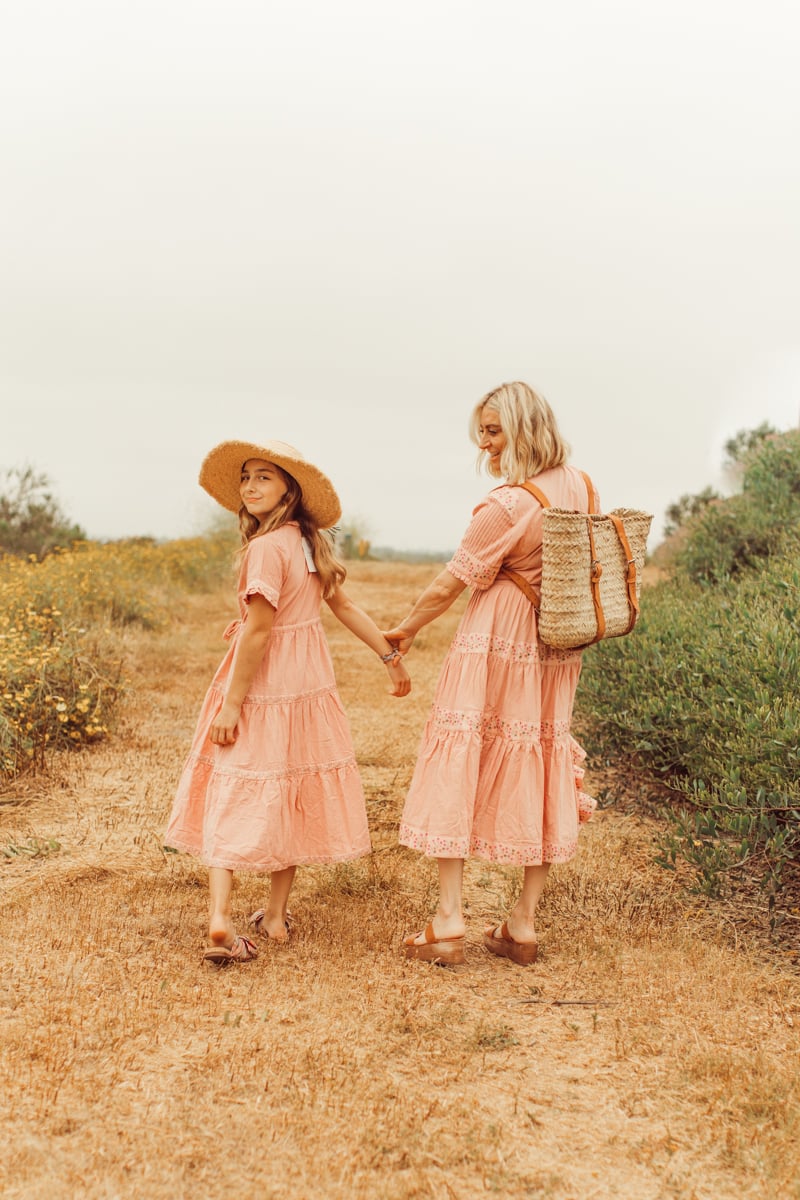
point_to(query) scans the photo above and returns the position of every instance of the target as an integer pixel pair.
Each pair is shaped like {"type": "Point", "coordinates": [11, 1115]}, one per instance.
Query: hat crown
{"type": "Point", "coordinates": [283, 450]}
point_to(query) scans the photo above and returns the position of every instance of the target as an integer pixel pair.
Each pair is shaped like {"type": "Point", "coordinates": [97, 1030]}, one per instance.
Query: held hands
{"type": "Point", "coordinates": [398, 638]}
{"type": "Point", "coordinates": [223, 727]}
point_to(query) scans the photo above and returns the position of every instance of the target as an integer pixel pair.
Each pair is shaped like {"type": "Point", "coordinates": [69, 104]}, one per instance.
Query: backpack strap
{"type": "Point", "coordinates": [633, 603]}
{"type": "Point", "coordinates": [590, 492]}
{"type": "Point", "coordinates": [529, 592]}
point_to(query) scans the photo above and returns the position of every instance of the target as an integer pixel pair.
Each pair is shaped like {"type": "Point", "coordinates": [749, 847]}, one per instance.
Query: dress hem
{"type": "Point", "coordinates": [262, 868]}
{"type": "Point", "coordinates": [497, 852]}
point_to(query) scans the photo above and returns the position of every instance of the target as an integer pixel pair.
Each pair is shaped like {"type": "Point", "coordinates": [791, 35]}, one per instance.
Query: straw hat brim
{"type": "Point", "coordinates": [220, 475]}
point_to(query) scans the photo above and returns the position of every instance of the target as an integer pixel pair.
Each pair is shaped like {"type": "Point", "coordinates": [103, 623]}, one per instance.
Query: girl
{"type": "Point", "coordinates": [271, 780]}
{"type": "Point", "coordinates": [499, 774]}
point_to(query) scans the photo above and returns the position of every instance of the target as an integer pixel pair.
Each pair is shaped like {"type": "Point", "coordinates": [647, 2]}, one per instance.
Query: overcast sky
{"type": "Point", "coordinates": [339, 224]}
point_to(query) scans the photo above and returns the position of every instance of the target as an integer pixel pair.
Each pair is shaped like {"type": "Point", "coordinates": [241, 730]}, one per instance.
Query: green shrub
{"type": "Point", "coordinates": [704, 694]}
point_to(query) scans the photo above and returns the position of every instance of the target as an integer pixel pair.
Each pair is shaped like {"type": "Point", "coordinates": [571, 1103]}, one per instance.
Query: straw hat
{"type": "Point", "coordinates": [222, 468]}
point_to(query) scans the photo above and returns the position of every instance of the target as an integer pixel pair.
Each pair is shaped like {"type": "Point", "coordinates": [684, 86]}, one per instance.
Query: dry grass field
{"type": "Point", "coordinates": [651, 1052]}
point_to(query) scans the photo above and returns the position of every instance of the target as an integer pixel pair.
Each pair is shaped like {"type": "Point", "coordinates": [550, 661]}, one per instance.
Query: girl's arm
{"type": "Point", "coordinates": [363, 626]}
{"type": "Point", "coordinates": [436, 599]}
{"type": "Point", "coordinates": [250, 647]}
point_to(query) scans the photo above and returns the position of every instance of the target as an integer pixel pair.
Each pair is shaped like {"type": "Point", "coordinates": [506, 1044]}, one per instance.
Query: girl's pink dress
{"type": "Point", "coordinates": [499, 774]}
{"type": "Point", "coordinates": [288, 791]}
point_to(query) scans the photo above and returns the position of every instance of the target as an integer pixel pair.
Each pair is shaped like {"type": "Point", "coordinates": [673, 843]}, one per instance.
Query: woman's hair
{"type": "Point", "coordinates": [533, 442]}
{"type": "Point", "coordinates": [331, 571]}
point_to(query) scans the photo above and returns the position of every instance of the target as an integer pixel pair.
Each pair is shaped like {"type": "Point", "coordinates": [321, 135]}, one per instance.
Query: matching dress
{"type": "Point", "coordinates": [288, 791]}
{"type": "Point", "coordinates": [498, 774]}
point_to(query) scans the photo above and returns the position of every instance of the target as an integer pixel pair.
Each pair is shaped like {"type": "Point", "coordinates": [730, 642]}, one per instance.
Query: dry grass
{"type": "Point", "coordinates": [332, 1067]}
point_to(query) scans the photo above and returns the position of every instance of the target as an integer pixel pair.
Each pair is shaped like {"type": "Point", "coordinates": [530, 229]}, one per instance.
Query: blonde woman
{"type": "Point", "coordinates": [498, 774]}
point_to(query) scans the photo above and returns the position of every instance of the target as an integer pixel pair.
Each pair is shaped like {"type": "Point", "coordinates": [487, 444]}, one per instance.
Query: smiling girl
{"type": "Point", "coordinates": [271, 780]}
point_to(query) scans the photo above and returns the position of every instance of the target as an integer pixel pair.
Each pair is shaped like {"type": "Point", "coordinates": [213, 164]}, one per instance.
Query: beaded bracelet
{"type": "Point", "coordinates": [391, 657]}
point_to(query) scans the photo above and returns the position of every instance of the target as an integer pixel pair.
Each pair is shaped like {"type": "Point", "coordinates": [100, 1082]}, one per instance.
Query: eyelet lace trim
{"type": "Point", "coordinates": [497, 852]}
{"type": "Point", "coordinates": [471, 570]}
{"type": "Point", "coordinates": [485, 643]}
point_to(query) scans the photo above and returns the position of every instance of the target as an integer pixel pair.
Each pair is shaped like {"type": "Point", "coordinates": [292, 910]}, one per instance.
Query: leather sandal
{"type": "Point", "coordinates": [433, 949]}
{"type": "Point", "coordinates": [242, 950]}
{"type": "Point", "coordinates": [256, 921]}
{"type": "Point", "coordinates": [504, 946]}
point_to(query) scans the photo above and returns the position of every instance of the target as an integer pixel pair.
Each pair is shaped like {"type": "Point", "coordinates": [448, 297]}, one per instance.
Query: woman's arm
{"type": "Point", "coordinates": [250, 646]}
{"type": "Point", "coordinates": [363, 626]}
{"type": "Point", "coordinates": [436, 599]}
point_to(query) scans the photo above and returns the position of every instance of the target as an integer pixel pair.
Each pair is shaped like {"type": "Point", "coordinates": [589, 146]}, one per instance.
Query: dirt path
{"type": "Point", "coordinates": [644, 1056]}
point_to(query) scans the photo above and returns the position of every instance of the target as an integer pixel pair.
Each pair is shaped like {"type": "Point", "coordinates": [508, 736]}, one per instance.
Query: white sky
{"type": "Point", "coordinates": [339, 224]}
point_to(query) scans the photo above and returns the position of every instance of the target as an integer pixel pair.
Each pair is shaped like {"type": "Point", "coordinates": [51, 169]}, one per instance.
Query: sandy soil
{"type": "Point", "coordinates": [650, 1052]}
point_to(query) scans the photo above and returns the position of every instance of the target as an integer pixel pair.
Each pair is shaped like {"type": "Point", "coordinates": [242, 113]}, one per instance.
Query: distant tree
{"type": "Point", "coordinates": [687, 507]}
{"type": "Point", "coordinates": [741, 444]}
{"type": "Point", "coordinates": [31, 519]}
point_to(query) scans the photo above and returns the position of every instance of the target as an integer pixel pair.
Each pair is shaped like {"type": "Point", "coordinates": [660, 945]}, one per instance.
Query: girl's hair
{"type": "Point", "coordinates": [533, 441]}
{"type": "Point", "coordinates": [331, 571]}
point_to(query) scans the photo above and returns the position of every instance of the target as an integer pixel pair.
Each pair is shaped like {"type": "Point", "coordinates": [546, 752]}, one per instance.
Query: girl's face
{"type": "Point", "coordinates": [491, 437]}
{"type": "Point", "coordinates": [262, 487]}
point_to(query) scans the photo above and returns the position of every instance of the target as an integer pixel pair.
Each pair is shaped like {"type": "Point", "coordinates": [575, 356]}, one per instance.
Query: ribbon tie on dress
{"type": "Point", "coordinates": [231, 630]}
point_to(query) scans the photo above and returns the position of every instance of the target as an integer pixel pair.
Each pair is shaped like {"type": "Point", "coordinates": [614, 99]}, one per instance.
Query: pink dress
{"type": "Point", "coordinates": [288, 790]}
{"type": "Point", "coordinates": [499, 774]}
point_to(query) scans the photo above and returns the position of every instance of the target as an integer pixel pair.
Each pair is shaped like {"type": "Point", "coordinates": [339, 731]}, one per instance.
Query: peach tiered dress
{"type": "Point", "coordinates": [288, 791]}
{"type": "Point", "coordinates": [499, 774]}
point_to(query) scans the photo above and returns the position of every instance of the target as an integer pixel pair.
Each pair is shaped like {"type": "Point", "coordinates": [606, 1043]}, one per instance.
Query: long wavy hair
{"type": "Point", "coordinates": [533, 440]}
{"type": "Point", "coordinates": [331, 571]}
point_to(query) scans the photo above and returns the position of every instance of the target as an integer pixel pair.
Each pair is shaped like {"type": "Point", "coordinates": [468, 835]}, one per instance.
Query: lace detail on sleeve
{"type": "Point", "coordinates": [259, 587]}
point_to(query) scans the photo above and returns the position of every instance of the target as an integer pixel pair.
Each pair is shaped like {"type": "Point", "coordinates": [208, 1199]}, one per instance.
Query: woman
{"type": "Point", "coordinates": [498, 774]}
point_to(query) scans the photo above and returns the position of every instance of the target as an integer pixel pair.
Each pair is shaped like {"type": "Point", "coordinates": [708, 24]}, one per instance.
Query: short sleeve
{"type": "Point", "coordinates": [265, 568]}
{"type": "Point", "coordinates": [485, 545]}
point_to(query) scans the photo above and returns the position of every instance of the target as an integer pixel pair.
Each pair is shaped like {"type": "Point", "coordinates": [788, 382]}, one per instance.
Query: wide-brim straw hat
{"type": "Point", "coordinates": [221, 472]}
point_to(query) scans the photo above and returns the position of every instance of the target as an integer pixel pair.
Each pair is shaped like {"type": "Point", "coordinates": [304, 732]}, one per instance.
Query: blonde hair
{"type": "Point", "coordinates": [533, 441]}
{"type": "Point", "coordinates": [290, 507]}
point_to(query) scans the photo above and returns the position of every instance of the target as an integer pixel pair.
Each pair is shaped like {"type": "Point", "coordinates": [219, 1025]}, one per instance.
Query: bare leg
{"type": "Point", "coordinates": [274, 922]}
{"type": "Point", "coordinates": [221, 929]}
{"type": "Point", "coordinates": [448, 920]}
{"type": "Point", "coordinates": [521, 920]}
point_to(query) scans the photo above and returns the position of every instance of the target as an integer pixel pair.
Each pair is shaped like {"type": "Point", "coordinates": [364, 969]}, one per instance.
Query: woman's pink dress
{"type": "Point", "coordinates": [288, 791]}
{"type": "Point", "coordinates": [499, 774]}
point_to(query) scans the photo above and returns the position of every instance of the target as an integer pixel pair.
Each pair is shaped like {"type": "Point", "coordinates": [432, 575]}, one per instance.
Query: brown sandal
{"type": "Point", "coordinates": [504, 946]}
{"type": "Point", "coordinates": [242, 950]}
{"type": "Point", "coordinates": [433, 949]}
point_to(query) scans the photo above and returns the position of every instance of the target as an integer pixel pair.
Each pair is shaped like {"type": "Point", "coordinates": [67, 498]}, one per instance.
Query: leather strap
{"type": "Point", "coordinates": [590, 492]}
{"type": "Point", "coordinates": [536, 492]}
{"type": "Point", "coordinates": [633, 603]}
{"type": "Point", "coordinates": [596, 573]}
{"type": "Point", "coordinates": [526, 588]}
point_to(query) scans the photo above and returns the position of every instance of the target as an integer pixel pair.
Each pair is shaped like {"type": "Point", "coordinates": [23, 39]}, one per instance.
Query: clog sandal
{"type": "Point", "coordinates": [433, 949]}
{"type": "Point", "coordinates": [242, 950]}
{"type": "Point", "coordinates": [504, 946]}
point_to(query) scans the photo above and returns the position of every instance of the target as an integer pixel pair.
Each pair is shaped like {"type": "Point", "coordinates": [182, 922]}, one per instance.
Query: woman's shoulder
{"type": "Point", "coordinates": [504, 498]}
{"type": "Point", "coordinates": [565, 487]}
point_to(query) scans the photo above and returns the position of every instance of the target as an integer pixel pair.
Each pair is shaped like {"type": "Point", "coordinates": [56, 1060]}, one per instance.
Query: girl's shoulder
{"type": "Point", "coordinates": [278, 542]}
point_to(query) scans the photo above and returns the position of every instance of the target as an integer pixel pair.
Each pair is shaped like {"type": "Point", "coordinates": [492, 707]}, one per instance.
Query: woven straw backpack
{"type": "Point", "coordinates": [591, 572]}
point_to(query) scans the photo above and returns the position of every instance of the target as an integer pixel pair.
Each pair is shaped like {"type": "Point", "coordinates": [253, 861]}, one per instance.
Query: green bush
{"type": "Point", "coordinates": [703, 696]}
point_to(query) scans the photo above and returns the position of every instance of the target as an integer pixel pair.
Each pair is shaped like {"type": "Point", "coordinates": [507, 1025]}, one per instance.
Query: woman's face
{"type": "Point", "coordinates": [491, 437]}
{"type": "Point", "coordinates": [262, 487]}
